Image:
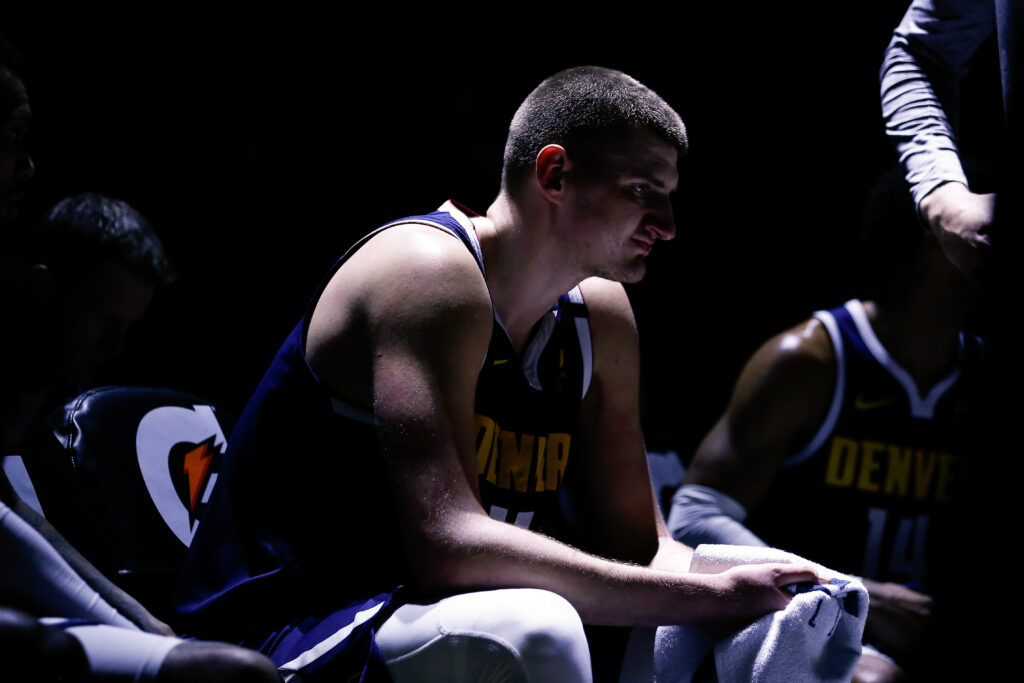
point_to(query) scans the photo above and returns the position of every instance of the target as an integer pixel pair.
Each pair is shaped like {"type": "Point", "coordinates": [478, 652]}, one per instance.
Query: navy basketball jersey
{"type": "Point", "coordinates": [874, 491]}
{"type": "Point", "coordinates": [527, 411]}
{"type": "Point", "coordinates": [302, 519]}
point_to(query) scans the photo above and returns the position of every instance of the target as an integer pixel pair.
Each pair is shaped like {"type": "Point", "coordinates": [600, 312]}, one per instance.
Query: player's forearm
{"type": "Point", "coordinates": [672, 556]}
{"type": "Point", "coordinates": [485, 554]}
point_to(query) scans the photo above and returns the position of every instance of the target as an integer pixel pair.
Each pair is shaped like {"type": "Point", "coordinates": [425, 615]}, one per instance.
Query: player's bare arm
{"type": "Point", "coordinates": [614, 464]}
{"type": "Point", "coordinates": [780, 399]}
{"type": "Point", "coordinates": [420, 282]}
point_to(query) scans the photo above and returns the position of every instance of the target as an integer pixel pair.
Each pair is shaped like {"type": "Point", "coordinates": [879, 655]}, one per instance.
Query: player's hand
{"type": "Point", "coordinates": [751, 591]}
{"type": "Point", "coordinates": [898, 618]}
{"type": "Point", "coordinates": [962, 221]}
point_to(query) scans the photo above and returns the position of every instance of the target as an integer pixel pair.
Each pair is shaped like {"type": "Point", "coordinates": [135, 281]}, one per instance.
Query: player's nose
{"type": "Point", "coordinates": [662, 223]}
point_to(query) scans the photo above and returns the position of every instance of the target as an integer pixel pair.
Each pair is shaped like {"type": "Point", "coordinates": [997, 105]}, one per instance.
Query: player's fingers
{"type": "Point", "coordinates": [786, 574]}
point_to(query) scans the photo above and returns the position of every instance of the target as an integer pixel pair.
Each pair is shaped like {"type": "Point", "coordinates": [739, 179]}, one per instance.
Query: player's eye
{"type": "Point", "coordinates": [640, 189]}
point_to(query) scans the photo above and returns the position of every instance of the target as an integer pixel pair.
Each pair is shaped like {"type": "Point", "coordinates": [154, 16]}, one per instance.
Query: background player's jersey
{"type": "Point", "coordinates": [302, 520]}
{"type": "Point", "coordinates": [874, 491]}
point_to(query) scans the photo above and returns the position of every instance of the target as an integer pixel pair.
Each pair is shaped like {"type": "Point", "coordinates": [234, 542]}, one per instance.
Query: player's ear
{"type": "Point", "coordinates": [550, 168]}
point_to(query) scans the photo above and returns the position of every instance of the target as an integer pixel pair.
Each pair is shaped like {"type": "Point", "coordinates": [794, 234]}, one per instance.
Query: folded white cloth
{"type": "Point", "coordinates": [817, 637]}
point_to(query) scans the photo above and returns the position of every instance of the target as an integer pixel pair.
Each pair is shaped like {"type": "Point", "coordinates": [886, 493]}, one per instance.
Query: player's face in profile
{"type": "Point", "coordinates": [96, 317]}
{"type": "Point", "coordinates": [621, 205]}
{"type": "Point", "coordinates": [16, 167]}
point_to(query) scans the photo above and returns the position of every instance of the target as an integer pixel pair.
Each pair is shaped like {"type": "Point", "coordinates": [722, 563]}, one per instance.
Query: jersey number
{"type": "Point", "coordinates": [521, 519]}
{"type": "Point", "coordinates": [908, 556]}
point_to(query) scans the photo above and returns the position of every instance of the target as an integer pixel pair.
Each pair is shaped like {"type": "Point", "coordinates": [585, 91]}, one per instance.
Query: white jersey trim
{"type": "Point", "coordinates": [351, 412]}
{"type": "Point", "coordinates": [920, 406]}
{"type": "Point", "coordinates": [829, 424]}
{"type": "Point", "coordinates": [463, 220]}
{"type": "Point", "coordinates": [531, 357]}
{"type": "Point", "coordinates": [289, 669]}
{"type": "Point", "coordinates": [583, 332]}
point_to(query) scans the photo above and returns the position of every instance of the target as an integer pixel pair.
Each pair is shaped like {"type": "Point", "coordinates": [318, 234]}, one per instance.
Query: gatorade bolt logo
{"type": "Point", "coordinates": [179, 452]}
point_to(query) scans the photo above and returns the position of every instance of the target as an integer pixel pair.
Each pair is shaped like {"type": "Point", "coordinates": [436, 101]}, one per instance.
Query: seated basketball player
{"type": "Point", "coordinates": [452, 373]}
{"type": "Point", "coordinates": [846, 437]}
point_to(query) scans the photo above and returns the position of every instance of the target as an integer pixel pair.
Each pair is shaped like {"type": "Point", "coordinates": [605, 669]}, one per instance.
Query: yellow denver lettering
{"type": "Point", "coordinates": [514, 457]}
{"type": "Point", "coordinates": [556, 457]}
{"type": "Point", "coordinates": [924, 470]}
{"type": "Point", "coordinates": [842, 462]}
{"type": "Point", "coordinates": [484, 441]}
{"type": "Point", "coordinates": [538, 470]}
{"type": "Point", "coordinates": [868, 465]}
{"type": "Point", "coordinates": [947, 463]}
{"type": "Point", "coordinates": [891, 469]}
{"type": "Point", "coordinates": [897, 479]}
{"type": "Point", "coordinates": [508, 459]}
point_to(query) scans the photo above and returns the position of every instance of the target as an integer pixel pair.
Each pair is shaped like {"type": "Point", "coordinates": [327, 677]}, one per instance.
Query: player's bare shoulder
{"type": "Point", "coordinates": [402, 283]}
{"type": "Point", "coordinates": [608, 308]}
{"type": "Point", "coordinates": [607, 299]}
{"type": "Point", "coordinates": [794, 371]}
{"type": "Point", "coordinates": [407, 269]}
{"type": "Point", "coordinates": [615, 346]}
{"type": "Point", "coordinates": [402, 266]}
{"type": "Point", "coordinates": [780, 398]}
{"type": "Point", "coordinates": [805, 347]}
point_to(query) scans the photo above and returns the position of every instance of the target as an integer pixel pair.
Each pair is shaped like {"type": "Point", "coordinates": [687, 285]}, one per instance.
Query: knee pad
{"type": "Point", "coordinates": [511, 635]}
{"type": "Point", "coordinates": [538, 623]}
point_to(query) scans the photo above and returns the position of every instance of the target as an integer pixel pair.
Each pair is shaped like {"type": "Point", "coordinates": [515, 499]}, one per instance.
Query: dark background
{"type": "Point", "coordinates": [261, 144]}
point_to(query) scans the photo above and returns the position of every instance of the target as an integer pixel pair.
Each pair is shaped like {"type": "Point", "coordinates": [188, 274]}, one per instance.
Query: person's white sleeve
{"type": "Point", "coordinates": [36, 578]}
{"type": "Point", "coordinates": [120, 654]}
{"type": "Point", "coordinates": [701, 514]}
{"type": "Point", "coordinates": [920, 77]}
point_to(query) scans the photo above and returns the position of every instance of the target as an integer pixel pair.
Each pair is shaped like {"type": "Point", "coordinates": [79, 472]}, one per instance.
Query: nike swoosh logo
{"type": "Point", "coordinates": [861, 403]}
{"type": "Point", "coordinates": [499, 362]}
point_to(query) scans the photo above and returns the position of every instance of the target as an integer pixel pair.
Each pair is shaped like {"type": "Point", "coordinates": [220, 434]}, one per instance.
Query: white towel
{"type": "Point", "coordinates": [817, 637]}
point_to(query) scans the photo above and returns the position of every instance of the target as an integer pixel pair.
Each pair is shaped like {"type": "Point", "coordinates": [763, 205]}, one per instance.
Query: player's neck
{"type": "Point", "coordinates": [920, 319]}
{"type": "Point", "coordinates": [525, 272]}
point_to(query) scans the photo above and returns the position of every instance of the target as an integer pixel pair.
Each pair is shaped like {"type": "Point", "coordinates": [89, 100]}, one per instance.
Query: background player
{"type": "Point", "coordinates": [105, 633]}
{"type": "Point", "coordinates": [847, 436]}
{"type": "Point", "coordinates": [105, 262]}
{"type": "Point", "coordinates": [25, 300]}
{"type": "Point", "coordinates": [493, 368]}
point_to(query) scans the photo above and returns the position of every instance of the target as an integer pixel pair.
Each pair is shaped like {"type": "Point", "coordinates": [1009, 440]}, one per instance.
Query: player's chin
{"type": "Point", "coordinates": [626, 273]}
{"type": "Point", "coordinates": [635, 272]}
